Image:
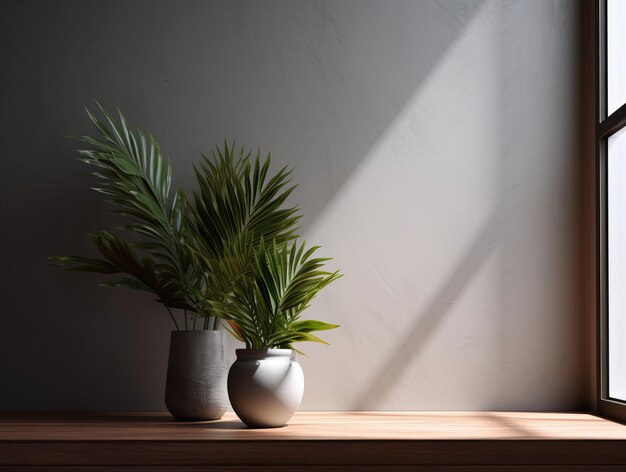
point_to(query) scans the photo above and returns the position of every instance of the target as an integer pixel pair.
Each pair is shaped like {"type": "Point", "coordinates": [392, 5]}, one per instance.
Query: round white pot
{"type": "Point", "coordinates": [265, 386]}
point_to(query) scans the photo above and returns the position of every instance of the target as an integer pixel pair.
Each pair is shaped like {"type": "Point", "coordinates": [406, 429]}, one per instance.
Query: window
{"type": "Point", "coordinates": [616, 264]}
{"type": "Point", "coordinates": [611, 162]}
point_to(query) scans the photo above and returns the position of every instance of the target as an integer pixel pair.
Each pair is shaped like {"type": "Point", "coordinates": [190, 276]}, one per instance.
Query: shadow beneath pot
{"type": "Point", "coordinates": [210, 424]}
{"type": "Point", "coordinates": [217, 424]}
{"type": "Point", "coordinates": [225, 424]}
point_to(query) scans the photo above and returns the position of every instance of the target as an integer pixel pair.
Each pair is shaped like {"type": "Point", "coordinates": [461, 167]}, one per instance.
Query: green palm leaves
{"type": "Point", "coordinates": [264, 309]}
{"type": "Point", "coordinates": [136, 179]}
{"type": "Point", "coordinates": [237, 206]}
{"type": "Point", "coordinates": [237, 200]}
{"type": "Point", "coordinates": [230, 252]}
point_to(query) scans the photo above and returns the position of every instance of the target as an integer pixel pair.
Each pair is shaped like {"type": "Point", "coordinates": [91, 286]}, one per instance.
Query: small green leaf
{"type": "Point", "coordinates": [307, 326]}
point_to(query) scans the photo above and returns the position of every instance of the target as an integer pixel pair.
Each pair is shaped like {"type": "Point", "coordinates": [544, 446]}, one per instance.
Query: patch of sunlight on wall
{"type": "Point", "coordinates": [401, 229]}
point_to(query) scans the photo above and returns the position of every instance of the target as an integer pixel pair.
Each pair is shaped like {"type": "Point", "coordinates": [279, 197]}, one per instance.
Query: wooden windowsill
{"type": "Point", "coordinates": [314, 441]}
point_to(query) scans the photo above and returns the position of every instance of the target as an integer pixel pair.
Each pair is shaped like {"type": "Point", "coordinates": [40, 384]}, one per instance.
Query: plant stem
{"type": "Point", "coordinates": [216, 323]}
{"type": "Point", "coordinates": [185, 312]}
{"type": "Point", "coordinates": [173, 319]}
{"type": "Point", "coordinates": [195, 317]}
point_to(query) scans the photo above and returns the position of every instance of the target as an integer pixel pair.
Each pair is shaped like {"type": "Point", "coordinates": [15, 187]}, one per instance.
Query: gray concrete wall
{"type": "Point", "coordinates": [437, 147]}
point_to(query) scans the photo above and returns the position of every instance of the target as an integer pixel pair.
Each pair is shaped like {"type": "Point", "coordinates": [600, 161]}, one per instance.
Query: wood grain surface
{"type": "Point", "coordinates": [330, 426]}
{"type": "Point", "coordinates": [426, 441]}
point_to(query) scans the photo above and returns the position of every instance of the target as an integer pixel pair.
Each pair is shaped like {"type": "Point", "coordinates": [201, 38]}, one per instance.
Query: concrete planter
{"type": "Point", "coordinates": [196, 376]}
{"type": "Point", "coordinates": [265, 386]}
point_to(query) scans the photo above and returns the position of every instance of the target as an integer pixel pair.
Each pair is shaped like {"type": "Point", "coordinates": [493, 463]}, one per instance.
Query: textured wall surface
{"type": "Point", "coordinates": [437, 148]}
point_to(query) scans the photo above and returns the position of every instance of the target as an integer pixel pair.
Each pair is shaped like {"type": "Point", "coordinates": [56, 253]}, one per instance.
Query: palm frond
{"type": "Point", "coordinates": [265, 307]}
{"type": "Point", "coordinates": [135, 179]}
{"type": "Point", "coordinates": [120, 258]}
{"type": "Point", "coordinates": [235, 208]}
{"type": "Point", "coordinates": [236, 198]}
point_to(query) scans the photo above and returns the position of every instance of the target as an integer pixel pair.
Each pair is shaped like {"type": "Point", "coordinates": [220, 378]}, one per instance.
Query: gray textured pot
{"type": "Point", "coordinates": [265, 386]}
{"type": "Point", "coordinates": [196, 376]}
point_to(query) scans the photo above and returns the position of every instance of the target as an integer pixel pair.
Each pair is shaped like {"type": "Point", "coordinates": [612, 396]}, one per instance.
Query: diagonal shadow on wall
{"type": "Point", "coordinates": [430, 318]}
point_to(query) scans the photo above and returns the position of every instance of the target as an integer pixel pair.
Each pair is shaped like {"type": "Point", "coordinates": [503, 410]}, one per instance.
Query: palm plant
{"type": "Point", "coordinates": [186, 255]}
{"type": "Point", "coordinates": [264, 308]}
{"type": "Point", "coordinates": [136, 179]}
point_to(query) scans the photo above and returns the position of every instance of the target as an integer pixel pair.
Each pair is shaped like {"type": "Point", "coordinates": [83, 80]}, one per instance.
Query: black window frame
{"type": "Point", "coordinates": [606, 126]}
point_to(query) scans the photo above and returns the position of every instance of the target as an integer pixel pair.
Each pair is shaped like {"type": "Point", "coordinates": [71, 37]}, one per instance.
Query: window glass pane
{"type": "Point", "coordinates": [617, 264]}
{"type": "Point", "coordinates": [616, 54]}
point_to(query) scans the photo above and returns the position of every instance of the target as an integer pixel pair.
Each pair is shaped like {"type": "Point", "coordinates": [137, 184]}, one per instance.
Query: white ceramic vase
{"type": "Point", "coordinates": [265, 386]}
